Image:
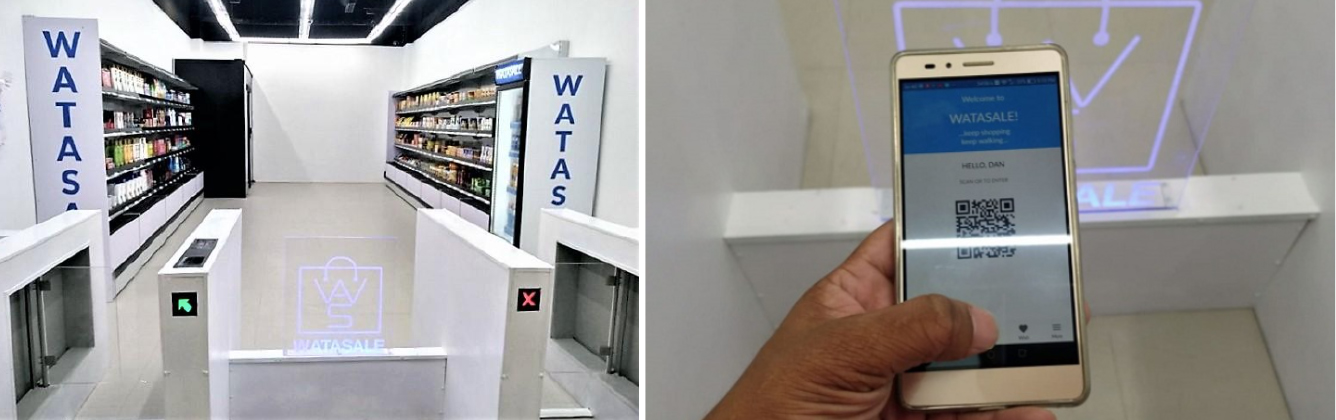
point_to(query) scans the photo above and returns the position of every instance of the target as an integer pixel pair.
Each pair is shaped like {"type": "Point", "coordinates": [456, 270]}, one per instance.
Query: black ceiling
{"type": "Point", "coordinates": [331, 18]}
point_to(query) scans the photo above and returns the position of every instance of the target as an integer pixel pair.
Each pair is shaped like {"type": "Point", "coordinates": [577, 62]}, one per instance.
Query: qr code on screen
{"type": "Point", "coordinates": [990, 217]}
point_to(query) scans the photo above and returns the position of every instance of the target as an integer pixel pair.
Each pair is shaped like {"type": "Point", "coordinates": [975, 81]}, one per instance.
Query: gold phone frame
{"type": "Point", "coordinates": [983, 389]}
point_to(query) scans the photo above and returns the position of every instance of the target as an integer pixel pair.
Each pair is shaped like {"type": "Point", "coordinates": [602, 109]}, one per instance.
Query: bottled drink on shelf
{"type": "Point", "coordinates": [129, 188]}
{"type": "Point", "coordinates": [119, 78]}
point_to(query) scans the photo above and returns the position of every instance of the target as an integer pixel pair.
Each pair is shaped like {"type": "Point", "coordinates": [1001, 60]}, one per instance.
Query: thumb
{"type": "Point", "coordinates": [925, 329]}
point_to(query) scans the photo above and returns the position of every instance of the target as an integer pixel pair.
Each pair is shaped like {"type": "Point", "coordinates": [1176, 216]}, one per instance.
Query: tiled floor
{"type": "Point", "coordinates": [272, 213]}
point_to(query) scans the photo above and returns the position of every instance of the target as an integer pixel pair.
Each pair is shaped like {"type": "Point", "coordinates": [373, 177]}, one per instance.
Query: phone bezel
{"type": "Point", "coordinates": [1062, 385]}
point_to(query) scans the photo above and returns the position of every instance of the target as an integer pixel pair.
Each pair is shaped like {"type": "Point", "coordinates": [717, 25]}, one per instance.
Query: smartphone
{"type": "Point", "coordinates": [985, 212]}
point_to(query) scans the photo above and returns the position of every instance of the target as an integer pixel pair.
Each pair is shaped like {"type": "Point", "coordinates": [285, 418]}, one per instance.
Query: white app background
{"type": "Point", "coordinates": [1029, 292]}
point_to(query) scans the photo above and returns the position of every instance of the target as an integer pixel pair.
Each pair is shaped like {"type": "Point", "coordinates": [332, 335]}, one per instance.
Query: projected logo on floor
{"type": "Point", "coordinates": [340, 308]}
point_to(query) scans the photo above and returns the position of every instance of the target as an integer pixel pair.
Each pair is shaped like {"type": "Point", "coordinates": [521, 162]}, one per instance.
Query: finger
{"type": "Point", "coordinates": [891, 340]}
{"type": "Point", "coordinates": [868, 273]}
{"type": "Point", "coordinates": [876, 251]}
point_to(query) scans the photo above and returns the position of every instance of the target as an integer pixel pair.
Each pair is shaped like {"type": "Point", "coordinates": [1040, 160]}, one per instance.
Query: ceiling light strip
{"type": "Point", "coordinates": [388, 19]}
{"type": "Point", "coordinates": [304, 31]}
{"type": "Point", "coordinates": [314, 41]}
{"type": "Point", "coordinates": [224, 20]}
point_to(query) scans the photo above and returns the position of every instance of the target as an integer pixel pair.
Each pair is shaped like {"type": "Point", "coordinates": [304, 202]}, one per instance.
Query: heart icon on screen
{"type": "Point", "coordinates": [1024, 327]}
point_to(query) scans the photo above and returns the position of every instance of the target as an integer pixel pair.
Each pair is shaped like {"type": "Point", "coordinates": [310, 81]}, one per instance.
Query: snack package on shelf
{"type": "Point", "coordinates": [434, 99]}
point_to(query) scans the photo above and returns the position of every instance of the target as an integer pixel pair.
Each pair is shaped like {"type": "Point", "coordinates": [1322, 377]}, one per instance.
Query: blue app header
{"type": "Point", "coordinates": [980, 114]}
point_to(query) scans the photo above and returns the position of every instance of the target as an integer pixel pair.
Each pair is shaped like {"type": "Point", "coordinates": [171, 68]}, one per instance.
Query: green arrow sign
{"type": "Point", "coordinates": [183, 303]}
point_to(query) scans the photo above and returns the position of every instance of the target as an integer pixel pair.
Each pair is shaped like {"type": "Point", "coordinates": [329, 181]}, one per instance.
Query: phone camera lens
{"type": "Point", "coordinates": [948, 65]}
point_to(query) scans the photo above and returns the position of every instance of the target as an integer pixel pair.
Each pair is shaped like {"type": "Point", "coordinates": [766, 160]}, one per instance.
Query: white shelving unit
{"type": "Point", "coordinates": [135, 222]}
{"type": "Point", "coordinates": [522, 159]}
{"type": "Point", "coordinates": [431, 189]}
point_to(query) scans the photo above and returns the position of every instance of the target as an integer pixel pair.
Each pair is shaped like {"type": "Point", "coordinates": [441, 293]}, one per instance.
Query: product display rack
{"type": "Point", "coordinates": [149, 197]}
{"type": "Point", "coordinates": [136, 98]}
{"type": "Point", "coordinates": [496, 144]}
{"type": "Point", "coordinates": [115, 172]}
{"type": "Point", "coordinates": [456, 133]}
{"type": "Point", "coordinates": [125, 132]}
{"type": "Point", "coordinates": [434, 108]}
{"type": "Point", "coordinates": [442, 142]}
{"type": "Point", "coordinates": [443, 158]}
{"type": "Point", "coordinates": [149, 149]}
{"type": "Point", "coordinates": [437, 181]}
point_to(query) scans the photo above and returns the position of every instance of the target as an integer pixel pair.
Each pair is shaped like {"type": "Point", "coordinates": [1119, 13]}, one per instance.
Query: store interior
{"type": "Point", "coordinates": [334, 126]}
{"type": "Point", "coordinates": [1211, 299]}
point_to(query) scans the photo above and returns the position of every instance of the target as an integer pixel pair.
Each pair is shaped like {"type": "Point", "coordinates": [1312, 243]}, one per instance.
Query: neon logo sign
{"type": "Point", "coordinates": [1100, 38]}
{"type": "Point", "coordinates": [340, 308]}
{"type": "Point", "coordinates": [1112, 196]}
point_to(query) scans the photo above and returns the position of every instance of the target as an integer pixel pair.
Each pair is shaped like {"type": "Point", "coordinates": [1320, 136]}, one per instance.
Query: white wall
{"type": "Point", "coordinates": [704, 319]}
{"type": "Point", "coordinates": [1276, 115]}
{"type": "Point", "coordinates": [485, 31]}
{"type": "Point", "coordinates": [322, 111]}
{"type": "Point", "coordinates": [217, 50]}
{"type": "Point", "coordinates": [17, 208]}
{"type": "Point", "coordinates": [137, 26]}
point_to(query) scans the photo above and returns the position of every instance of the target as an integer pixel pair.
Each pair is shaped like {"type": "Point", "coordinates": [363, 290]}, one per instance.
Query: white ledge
{"type": "Point", "coordinates": [277, 356]}
{"type": "Point", "coordinates": [851, 213]}
{"type": "Point", "coordinates": [16, 243]}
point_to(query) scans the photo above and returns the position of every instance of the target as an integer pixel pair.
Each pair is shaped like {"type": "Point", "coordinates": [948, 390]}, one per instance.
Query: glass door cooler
{"type": "Point", "coordinates": [548, 122]}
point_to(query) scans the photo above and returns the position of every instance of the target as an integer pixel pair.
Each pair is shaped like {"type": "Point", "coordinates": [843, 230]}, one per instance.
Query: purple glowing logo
{"type": "Point", "coordinates": [345, 290]}
{"type": "Point", "coordinates": [1100, 38]}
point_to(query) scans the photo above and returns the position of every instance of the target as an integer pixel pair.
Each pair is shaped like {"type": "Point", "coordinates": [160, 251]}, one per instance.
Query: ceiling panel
{"type": "Point", "coordinates": [331, 18]}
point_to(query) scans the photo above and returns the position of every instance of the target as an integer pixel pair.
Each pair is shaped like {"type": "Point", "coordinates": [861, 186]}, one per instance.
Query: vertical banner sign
{"type": "Point", "coordinates": [63, 62]}
{"type": "Point", "coordinates": [565, 120]}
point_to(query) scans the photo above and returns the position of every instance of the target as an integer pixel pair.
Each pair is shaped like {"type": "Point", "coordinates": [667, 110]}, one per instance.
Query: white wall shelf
{"type": "Point", "coordinates": [446, 132]}
{"type": "Point", "coordinates": [447, 107]}
{"type": "Point", "coordinates": [134, 224]}
{"type": "Point", "coordinates": [443, 158]}
{"type": "Point", "coordinates": [1216, 250]}
{"type": "Point", "coordinates": [135, 166]}
{"type": "Point", "coordinates": [144, 131]}
{"type": "Point", "coordinates": [142, 99]}
{"type": "Point", "coordinates": [452, 187]}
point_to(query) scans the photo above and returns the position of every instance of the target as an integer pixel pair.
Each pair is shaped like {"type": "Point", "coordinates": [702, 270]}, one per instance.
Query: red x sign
{"type": "Point", "coordinates": [528, 300]}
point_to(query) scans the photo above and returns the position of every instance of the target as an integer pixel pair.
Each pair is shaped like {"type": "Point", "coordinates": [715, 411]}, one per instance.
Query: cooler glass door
{"type": "Point", "coordinates": [506, 172]}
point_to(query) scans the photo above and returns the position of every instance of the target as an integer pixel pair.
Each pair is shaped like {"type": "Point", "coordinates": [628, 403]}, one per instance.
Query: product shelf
{"type": "Point", "coordinates": [447, 107]}
{"type": "Point", "coordinates": [435, 180]}
{"type": "Point", "coordinates": [460, 133]}
{"type": "Point", "coordinates": [135, 166]}
{"type": "Point", "coordinates": [144, 197]}
{"type": "Point", "coordinates": [444, 158]}
{"type": "Point", "coordinates": [125, 132]}
{"type": "Point", "coordinates": [119, 56]}
{"type": "Point", "coordinates": [463, 76]}
{"type": "Point", "coordinates": [130, 97]}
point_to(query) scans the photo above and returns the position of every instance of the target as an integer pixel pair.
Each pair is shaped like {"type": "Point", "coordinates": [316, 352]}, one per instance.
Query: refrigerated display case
{"type": "Point", "coordinates": [549, 119]}
{"type": "Point", "coordinates": [497, 143]}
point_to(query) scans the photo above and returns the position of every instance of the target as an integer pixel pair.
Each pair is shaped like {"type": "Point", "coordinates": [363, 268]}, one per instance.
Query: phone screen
{"type": "Point", "coordinates": [984, 203]}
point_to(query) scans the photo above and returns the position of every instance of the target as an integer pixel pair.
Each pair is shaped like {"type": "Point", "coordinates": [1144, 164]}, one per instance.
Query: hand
{"type": "Point", "coordinates": [837, 352]}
